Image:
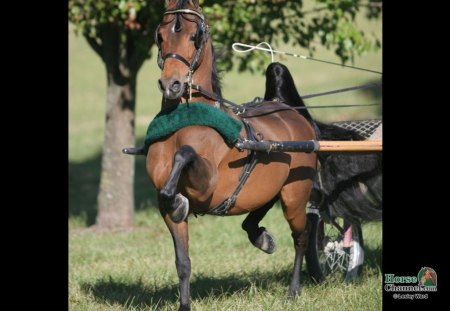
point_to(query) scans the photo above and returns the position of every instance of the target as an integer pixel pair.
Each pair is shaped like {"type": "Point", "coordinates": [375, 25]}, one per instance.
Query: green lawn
{"type": "Point", "coordinates": [134, 270]}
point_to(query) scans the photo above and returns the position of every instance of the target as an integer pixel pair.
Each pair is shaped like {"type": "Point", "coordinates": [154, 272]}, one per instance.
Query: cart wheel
{"type": "Point", "coordinates": [326, 254]}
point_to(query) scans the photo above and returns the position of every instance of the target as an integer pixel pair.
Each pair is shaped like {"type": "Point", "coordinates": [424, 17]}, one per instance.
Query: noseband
{"type": "Point", "coordinates": [201, 37]}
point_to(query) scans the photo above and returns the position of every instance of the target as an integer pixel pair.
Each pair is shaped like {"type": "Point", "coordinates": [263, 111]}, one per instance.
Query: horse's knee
{"type": "Point", "coordinates": [185, 154]}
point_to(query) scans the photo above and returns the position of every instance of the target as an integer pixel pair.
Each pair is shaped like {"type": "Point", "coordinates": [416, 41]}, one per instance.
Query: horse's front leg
{"type": "Point", "coordinates": [199, 181]}
{"type": "Point", "coordinates": [175, 204]}
{"type": "Point", "coordinates": [180, 236]}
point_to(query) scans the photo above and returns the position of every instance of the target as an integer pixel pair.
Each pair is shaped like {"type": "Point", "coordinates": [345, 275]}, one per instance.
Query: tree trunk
{"type": "Point", "coordinates": [116, 197]}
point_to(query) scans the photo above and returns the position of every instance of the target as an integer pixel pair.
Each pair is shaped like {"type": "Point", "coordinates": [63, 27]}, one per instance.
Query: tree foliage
{"type": "Point", "coordinates": [328, 22]}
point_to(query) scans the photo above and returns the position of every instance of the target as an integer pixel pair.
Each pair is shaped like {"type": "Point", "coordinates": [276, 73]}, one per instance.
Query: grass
{"type": "Point", "coordinates": [134, 270]}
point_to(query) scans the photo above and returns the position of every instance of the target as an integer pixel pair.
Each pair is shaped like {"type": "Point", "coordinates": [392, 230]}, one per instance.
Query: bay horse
{"type": "Point", "coordinates": [196, 169]}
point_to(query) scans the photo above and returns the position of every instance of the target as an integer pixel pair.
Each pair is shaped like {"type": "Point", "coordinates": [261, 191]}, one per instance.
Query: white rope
{"type": "Point", "coordinates": [253, 47]}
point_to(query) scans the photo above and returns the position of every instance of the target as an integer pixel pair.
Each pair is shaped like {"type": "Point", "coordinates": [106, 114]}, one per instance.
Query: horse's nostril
{"type": "Point", "coordinates": [175, 87]}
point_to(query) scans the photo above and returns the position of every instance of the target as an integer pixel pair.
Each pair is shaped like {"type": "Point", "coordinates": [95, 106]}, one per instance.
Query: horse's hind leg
{"type": "Point", "coordinates": [294, 197]}
{"type": "Point", "coordinates": [259, 236]}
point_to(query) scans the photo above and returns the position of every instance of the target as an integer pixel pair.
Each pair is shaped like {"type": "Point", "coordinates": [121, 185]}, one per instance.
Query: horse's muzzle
{"type": "Point", "coordinates": [172, 89]}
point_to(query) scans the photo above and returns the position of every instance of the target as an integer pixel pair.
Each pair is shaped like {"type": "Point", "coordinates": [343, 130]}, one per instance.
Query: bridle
{"type": "Point", "coordinates": [201, 37]}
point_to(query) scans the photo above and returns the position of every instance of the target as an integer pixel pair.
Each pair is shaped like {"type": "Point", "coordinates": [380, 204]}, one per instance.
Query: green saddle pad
{"type": "Point", "coordinates": [172, 119]}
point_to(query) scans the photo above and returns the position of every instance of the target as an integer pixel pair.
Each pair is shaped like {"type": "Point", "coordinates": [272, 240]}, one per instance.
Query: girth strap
{"type": "Point", "coordinates": [252, 159]}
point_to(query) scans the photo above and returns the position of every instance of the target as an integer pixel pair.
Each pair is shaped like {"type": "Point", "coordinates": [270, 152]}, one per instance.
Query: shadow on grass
{"type": "Point", "coordinates": [130, 294]}
{"type": "Point", "coordinates": [373, 258]}
{"type": "Point", "coordinates": [142, 295]}
{"type": "Point", "coordinates": [138, 294]}
{"type": "Point", "coordinates": [84, 180]}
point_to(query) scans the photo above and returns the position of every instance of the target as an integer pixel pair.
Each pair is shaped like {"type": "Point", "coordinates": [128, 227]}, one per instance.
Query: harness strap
{"type": "Point", "coordinates": [241, 109]}
{"type": "Point", "coordinates": [187, 11]}
{"type": "Point", "coordinates": [216, 97]}
{"type": "Point", "coordinates": [223, 208]}
{"type": "Point", "coordinates": [176, 56]}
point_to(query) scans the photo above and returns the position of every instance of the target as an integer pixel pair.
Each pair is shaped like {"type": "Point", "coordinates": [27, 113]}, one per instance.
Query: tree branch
{"type": "Point", "coordinates": [314, 10]}
{"type": "Point", "coordinates": [94, 45]}
{"type": "Point", "coordinates": [369, 4]}
{"type": "Point", "coordinates": [141, 46]}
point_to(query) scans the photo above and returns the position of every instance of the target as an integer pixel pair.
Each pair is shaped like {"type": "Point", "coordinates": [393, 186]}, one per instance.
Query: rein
{"type": "Point", "coordinates": [240, 109]}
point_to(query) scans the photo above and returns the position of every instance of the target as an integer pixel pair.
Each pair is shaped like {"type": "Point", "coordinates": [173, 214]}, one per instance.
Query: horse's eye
{"type": "Point", "coordinates": [192, 37]}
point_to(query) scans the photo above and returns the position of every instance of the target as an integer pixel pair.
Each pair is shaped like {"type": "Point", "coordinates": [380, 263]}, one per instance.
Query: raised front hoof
{"type": "Point", "coordinates": [180, 209]}
{"type": "Point", "coordinates": [265, 242]}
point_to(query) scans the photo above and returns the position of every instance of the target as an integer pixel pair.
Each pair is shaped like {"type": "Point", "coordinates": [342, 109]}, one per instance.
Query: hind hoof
{"type": "Point", "coordinates": [265, 242]}
{"type": "Point", "coordinates": [180, 209]}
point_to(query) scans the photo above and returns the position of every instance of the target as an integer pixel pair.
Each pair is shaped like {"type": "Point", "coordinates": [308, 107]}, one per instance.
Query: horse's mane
{"type": "Point", "coordinates": [280, 85]}
{"type": "Point", "coordinates": [215, 78]}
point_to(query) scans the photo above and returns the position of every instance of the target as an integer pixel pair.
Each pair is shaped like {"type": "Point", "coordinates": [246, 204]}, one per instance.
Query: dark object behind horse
{"type": "Point", "coordinates": [350, 185]}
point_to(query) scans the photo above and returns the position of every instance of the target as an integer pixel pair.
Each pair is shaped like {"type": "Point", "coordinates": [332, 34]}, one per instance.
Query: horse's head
{"type": "Point", "coordinates": [181, 38]}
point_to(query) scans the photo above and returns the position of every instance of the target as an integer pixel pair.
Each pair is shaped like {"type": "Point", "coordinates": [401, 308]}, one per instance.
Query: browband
{"type": "Point", "coordinates": [188, 11]}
